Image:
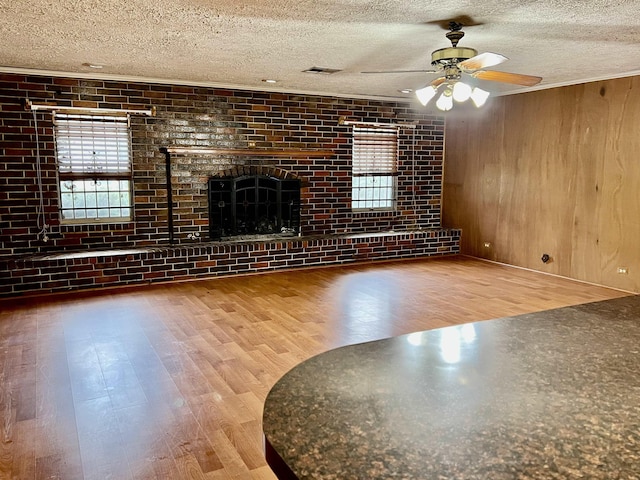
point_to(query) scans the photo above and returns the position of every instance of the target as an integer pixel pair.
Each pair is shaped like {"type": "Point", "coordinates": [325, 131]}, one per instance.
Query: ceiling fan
{"type": "Point", "coordinates": [454, 62]}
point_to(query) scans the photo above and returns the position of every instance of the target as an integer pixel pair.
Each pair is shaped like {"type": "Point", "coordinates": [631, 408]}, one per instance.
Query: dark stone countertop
{"type": "Point", "coordinates": [547, 395]}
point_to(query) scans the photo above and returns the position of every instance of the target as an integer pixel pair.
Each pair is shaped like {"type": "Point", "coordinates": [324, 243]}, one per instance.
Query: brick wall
{"type": "Point", "coordinates": [205, 117]}
{"type": "Point", "coordinates": [62, 273]}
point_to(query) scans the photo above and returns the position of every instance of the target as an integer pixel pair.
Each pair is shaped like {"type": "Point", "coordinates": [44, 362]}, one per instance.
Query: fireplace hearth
{"type": "Point", "coordinates": [254, 204]}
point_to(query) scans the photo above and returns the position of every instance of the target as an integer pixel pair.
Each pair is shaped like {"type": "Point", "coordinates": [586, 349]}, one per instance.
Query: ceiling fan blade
{"type": "Point", "coordinates": [402, 71]}
{"type": "Point", "coordinates": [462, 20]}
{"type": "Point", "coordinates": [438, 81]}
{"type": "Point", "coordinates": [482, 60]}
{"type": "Point", "coordinates": [506, 77]}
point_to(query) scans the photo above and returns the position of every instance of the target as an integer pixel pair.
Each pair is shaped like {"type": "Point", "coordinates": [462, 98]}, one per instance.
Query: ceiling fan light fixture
{"type": "Point", "coordinates": [461, 92]}
{"type": "Point", "coordinates": [455, 63]}
{"type": "Point", "coordinates": [426, 94]}
{"type": "Point", "coordinates": [479, 96]}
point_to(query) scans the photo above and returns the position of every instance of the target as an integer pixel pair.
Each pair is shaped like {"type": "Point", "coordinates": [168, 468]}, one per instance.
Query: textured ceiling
{"type": "Point", "coordinates": [240, 43]}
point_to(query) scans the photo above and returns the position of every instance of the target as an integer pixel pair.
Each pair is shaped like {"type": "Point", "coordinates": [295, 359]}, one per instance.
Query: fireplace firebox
{"type": "Point", "coordinates": [249, 205]}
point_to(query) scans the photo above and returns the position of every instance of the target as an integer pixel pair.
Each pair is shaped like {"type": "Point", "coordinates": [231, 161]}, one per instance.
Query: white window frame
{"type": "Point", "coordinates": [93, 154]}
{"type": "Point", "coordinates": [374, 168]}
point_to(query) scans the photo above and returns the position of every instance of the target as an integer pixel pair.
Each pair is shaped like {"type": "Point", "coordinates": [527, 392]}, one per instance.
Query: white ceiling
{"type": "Point", "coordinates": [240, 43]}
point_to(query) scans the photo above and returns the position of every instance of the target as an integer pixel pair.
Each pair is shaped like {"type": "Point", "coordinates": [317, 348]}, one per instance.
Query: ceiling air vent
{"type": "Point", "coordinates": [321, 70]}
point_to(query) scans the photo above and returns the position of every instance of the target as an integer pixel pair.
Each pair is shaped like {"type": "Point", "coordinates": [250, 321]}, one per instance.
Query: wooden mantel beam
{"type": "Point", "coordinates": [248, 152]}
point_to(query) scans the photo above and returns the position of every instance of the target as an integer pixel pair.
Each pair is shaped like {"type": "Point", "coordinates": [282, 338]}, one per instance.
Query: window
{"type": "Point", "coordinates": [94, 168]}
{"type": "Point", "coordinates": [375, 153]}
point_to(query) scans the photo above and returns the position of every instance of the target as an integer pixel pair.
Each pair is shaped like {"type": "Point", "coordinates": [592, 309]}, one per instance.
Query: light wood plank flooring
{"type": "Point", "coordinates": [169, 381]}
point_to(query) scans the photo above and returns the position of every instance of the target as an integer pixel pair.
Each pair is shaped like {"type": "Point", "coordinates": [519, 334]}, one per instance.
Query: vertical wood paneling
{"type": "Point", "coordinates": [556, 172]}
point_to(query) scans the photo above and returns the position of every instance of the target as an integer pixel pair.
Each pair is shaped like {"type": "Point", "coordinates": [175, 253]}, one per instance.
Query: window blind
{"type": "Point", "coordinates": [375, 150]}
{"type": "Point", "coordinates": [91, 145]}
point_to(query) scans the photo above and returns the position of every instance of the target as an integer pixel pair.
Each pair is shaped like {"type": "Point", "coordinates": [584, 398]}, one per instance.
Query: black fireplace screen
{"type": "Point", "coordinates": [253, 205]}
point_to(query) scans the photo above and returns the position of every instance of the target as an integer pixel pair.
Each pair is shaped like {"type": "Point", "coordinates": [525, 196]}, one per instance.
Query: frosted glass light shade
{"type": "Point", "coordinates": [461, 92]}
{"type": "Point", "coordinates": [425, 94]}
{"type": "Point", "coordinates": [479, 96]}
{"type": "Point", "coordinates": [445, 102]}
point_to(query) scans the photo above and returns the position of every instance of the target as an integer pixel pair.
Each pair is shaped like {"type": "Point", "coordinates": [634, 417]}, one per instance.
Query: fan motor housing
{"type": "Point", "coordinates": [446, 55]}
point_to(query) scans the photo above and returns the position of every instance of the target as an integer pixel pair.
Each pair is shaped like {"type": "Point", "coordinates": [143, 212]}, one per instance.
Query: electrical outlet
{"type": "Point", "coordinates": [487, 244]}
{"type": "Point", "coordinates": [623, 270]}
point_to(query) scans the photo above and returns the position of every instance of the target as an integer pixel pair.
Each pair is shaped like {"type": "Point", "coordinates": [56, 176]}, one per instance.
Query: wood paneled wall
{"type": "Point", "coordinates": [555, 171]}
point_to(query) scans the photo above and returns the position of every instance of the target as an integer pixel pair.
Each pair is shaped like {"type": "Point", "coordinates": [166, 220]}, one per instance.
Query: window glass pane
{"type": "Point", "coordinates": [368, 193]}
{"type": "Point", "coordinates": [78, 199]}
{"type": "Point", "coordinates": [102, 199]}
{"type": "Point", "coordinates": [373, 192]}
{"type": "Point", "coordinates": [87, 202]}
{"type": "Point", "coordinates": [66, 199]}
{"type": "Point", "coordinates": [90, 199]}
{"type": "Point", "coordinates": [114, 199]}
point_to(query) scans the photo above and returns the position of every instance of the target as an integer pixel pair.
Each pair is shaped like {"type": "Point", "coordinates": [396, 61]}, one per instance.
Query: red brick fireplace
{"type": "Point", "coordinates": [87, 256]}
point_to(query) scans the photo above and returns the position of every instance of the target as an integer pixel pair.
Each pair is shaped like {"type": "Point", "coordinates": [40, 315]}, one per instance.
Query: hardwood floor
{"type": "Point", "coordinates": [168, 381]}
